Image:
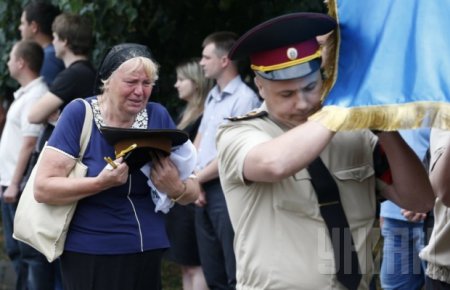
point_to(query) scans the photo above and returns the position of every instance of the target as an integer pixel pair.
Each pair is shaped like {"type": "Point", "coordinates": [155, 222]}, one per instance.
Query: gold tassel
{"type": "Point", "coordinates": [386, 117]}
{"type": "Point", "coordinates": [331, 54]}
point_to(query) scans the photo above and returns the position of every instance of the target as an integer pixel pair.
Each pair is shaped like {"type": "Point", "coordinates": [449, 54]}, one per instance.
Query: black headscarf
{"type": "Point", "coordinates": [117, 55]}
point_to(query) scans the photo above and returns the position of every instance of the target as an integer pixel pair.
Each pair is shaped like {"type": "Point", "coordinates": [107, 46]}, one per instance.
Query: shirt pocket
{"type": "Point", "coordinates": [357, 174]}
{"type": "Point", "coordinates": [357, 191]}
{"type": "Point", "coordinates": [298, 196]}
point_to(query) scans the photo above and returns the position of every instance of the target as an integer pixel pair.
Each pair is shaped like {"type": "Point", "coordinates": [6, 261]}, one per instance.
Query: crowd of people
{"type": "Point", "coordinates": [254, 195]}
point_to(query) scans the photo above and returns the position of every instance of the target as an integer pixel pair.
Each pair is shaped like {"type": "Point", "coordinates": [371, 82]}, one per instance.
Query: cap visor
{"type": "Point", "coordinates": [293, 72]}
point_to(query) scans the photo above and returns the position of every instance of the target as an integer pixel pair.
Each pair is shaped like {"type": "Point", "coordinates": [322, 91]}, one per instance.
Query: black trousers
{"type": "Point", "coordinates": [140, 271]}
{"type": "Point", "coordinates": [431, 284]}
{"type": "Point", "coordinates": [215, 239]}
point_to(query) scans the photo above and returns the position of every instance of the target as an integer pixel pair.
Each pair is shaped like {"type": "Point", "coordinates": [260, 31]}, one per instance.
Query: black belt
{"type": "Point", "coordinates": [348, 272]}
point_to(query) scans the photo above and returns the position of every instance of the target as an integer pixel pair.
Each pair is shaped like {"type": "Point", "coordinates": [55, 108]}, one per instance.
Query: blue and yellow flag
{"type": "Point", "coordinates": [390, 65]}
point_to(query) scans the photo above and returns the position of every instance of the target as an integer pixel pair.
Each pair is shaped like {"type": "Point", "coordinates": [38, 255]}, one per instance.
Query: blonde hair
{"type": "Point", "coordinates": [191, 70]}
{"type": "Point", "coordinates": [149, 66]}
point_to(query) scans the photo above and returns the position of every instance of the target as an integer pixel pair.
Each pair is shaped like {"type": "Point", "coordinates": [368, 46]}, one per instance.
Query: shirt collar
{"type": "Point", "coordinates": [229, 89]}
{"type": "Point", "coordinates": [23, 90]}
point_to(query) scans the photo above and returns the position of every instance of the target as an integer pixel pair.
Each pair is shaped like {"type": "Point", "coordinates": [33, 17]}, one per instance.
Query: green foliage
{"type": "Point", "coordinates": [10, 12]}
{"type": "Point", "coordinates": [173, 29]}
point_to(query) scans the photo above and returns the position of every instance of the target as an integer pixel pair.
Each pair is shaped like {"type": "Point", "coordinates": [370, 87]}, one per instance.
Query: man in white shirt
{"type": "Point", "coordinates": [19, 138]}
{"type": "Point", "coordinates": [228, 98]}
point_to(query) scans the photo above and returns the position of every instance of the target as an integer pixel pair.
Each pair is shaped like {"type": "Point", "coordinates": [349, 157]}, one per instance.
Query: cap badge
{"type": "Point", "coordinates": [292, 53]}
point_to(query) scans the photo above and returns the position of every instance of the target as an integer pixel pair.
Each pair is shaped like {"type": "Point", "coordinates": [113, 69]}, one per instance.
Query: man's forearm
{"type": "Point", "coordinates": [410, 180]}
{"type": "Point", "coordinates": [210, 172]}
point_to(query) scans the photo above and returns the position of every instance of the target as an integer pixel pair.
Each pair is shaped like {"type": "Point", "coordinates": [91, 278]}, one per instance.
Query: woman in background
{"type": "Point", "coordinates": [192, 88]}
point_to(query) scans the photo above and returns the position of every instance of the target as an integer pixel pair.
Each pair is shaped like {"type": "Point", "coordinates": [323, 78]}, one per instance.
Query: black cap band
{"type": "Point", "coordinates": [118, 55]}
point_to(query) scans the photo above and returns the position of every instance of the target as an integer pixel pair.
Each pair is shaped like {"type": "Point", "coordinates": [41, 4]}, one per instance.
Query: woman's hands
{"type": "Point", "coordinates": [166, 178]}
{"type": "Point", "coordinates": [110, 177]}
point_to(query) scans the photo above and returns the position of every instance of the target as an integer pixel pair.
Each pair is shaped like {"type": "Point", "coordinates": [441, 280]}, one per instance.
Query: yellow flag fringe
{"type": "Point", "coordinates": [386, 117]}
{"type": "Point", "coordinates": [390, 117]}
{"type": "Point", "coordinates": [331, 54]}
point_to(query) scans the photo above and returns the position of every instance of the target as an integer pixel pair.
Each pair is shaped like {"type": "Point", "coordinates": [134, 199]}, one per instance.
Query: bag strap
{"type": "Point", "coordinates": [87, 128]}
{"type": "Point", "coordinates": [346, 261]}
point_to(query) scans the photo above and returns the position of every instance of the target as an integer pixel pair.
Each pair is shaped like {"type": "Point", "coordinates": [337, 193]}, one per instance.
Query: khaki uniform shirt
{"type": "Point", "coordinates": [437, 252]}
{"type": "Point", "coordinates": [281, 241]}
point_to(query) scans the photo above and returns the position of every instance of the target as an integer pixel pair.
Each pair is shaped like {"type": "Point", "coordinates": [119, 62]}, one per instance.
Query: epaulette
{"type": "Point", "coordinates": [248, 116]}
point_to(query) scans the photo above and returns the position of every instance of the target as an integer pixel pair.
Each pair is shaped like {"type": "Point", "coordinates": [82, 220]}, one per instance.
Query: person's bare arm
{"type": "Point", "coordinates": [197, 140]}
{"type": "Point", "coordinates": [44, 108]}
{"type": "Point", "coordinates": [287, 154]}
{"type": "Point", "coordinates": [440, 177]}
{"type": "Point", "coordinates": [201, 200]}
{"type": "Point", "coordinates": [411, 188]}
{"type": "Point", "coordinates": [210, 172]}
{"type": "Point", "coordinates": [52, 185]}
{"type": "Point", "coordinates": [11, 194]}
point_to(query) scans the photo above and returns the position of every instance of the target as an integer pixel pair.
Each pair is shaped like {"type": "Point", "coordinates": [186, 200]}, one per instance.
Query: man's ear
{"type": "Point", "coordinates": [21, 62]}
{"type": "Point", "coordinates": [257, 80]}
{"type": "Point", "coordinates": [34, 27]}
{"type": "Point", "coordinates": [225, 61]}
{"type": "Point", "coordinates": [66, 44]}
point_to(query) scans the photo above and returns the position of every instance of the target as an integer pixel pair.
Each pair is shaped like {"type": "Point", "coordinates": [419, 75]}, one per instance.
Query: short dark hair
{"type": "Point", "coordinates": [43, 14]}
{"type": "Point", "coordinates": [76, 30]}
{"type": "Point", "coordinates": [31, 52]}
{"type": "Point", "coordinates": [223, 40]}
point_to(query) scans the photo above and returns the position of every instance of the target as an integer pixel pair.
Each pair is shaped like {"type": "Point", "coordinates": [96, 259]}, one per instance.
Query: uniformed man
{"type": "Point", "coordinates": [302, 198]}
{"type": "Point", "coordinates": [437, 253]}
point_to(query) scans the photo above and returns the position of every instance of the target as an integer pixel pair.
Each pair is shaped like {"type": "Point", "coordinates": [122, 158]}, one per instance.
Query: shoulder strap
{"type": "Point", "coordinates": [346, 262]}
{"type": "Point", "coordinates": [87, 128]}
{"type": "Point", "coordinates": [250, 115]}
